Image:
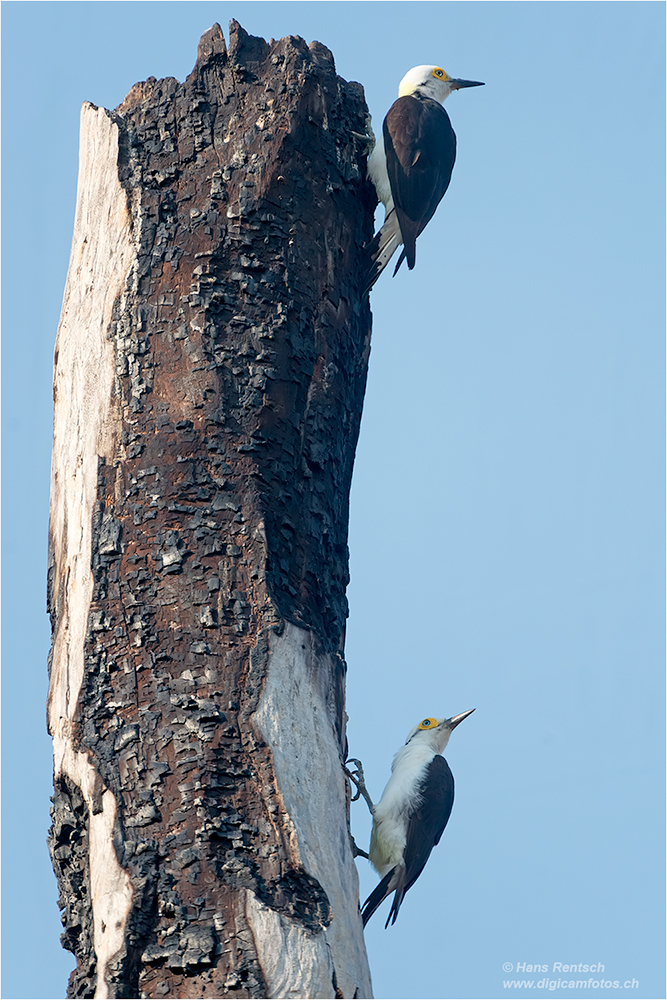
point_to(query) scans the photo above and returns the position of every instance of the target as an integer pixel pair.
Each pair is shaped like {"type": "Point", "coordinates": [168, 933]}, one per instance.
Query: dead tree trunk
{"type": "Point", "coordinates": [209, 376]}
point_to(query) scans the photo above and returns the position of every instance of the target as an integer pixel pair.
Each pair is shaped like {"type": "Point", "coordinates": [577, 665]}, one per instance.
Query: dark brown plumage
{"type": "Point", "coordinates": [420, 147]}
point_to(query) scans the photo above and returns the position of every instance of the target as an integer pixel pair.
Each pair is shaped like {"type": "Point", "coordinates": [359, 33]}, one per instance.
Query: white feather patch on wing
{"type": "Point", "coordinates": [390, 240]}
{"type": "Point", "coordinates": [377, 171]}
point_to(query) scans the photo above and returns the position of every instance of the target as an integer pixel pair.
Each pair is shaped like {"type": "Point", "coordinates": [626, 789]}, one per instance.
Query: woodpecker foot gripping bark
{"type": "Point", "coordinates": [357, 851]}
{"type": "Point", "coordinates": [357, 778]}
{"type": "Point", "coordinates": [366, 138]}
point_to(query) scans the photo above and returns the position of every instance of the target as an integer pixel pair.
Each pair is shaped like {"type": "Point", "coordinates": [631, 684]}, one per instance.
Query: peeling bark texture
{"type": "Point", "coordinates": [210, 368]}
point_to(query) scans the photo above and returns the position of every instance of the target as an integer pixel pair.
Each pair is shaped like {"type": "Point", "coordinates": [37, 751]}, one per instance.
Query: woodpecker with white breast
{"type": "Point", "coordinates": [412, 164]}
{"type": "Point", "coordinates": [409, 819]}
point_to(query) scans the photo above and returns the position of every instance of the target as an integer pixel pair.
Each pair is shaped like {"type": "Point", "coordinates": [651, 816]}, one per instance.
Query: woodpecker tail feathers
{"type": "Point", "coordinates": [396, 879]}
{"type": "Point", "coordinates": [400, 261]}
{"type": "Point", "coordinates": [401, 889]}
{"type": "Point", "coordinates": [380, 892]}
{"type": "Point", "coordinates": [382, 248]}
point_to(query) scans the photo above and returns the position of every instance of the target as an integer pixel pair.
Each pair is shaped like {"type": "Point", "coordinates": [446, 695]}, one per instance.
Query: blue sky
{"type": "Point", "coordinates": [507, 507]}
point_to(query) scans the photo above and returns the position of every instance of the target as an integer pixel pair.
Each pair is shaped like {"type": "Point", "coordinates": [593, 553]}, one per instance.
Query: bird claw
{"type": "Point", "coordinates": [357, 851]}
{"type": "Point", "coordinates": [366, 138]}
{"type": "Point", "coordinates": [356, 776]}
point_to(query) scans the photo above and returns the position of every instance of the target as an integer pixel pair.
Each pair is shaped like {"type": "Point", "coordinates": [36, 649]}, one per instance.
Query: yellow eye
{"type": "Point", "coordinates": [440, 73]}
{"type": "Point", "coordinates": [428, 723]}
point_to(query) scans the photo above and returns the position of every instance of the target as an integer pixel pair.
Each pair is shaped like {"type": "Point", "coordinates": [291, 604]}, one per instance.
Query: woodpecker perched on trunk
{"type": "Point", "coordinates": [409, 818]}
{"type": "Point", "coordinates": [412, 164]}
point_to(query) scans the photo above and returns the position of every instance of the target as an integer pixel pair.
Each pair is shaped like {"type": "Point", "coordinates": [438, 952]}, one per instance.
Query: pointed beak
{"type": "Point", "coordinates": [454, 721]}
{"type": "Point", "coordinates": [462, 84]}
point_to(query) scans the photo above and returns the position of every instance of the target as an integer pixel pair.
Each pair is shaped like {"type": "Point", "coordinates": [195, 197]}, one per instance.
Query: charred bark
{"type": "Point", "coordinates": [209, 377]}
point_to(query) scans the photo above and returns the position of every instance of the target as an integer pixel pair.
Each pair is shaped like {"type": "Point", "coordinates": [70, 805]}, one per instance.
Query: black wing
{"type": "Point", "coordinates": [425, 827]}
{"type": "Point", "coordinates": [420, 148]}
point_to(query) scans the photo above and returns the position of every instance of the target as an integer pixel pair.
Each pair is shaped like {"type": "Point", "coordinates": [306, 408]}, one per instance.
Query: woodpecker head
{"type": "Point", "coordinates": [431, 81]}
{"type": "Point", "coordinates": [435, 733]}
